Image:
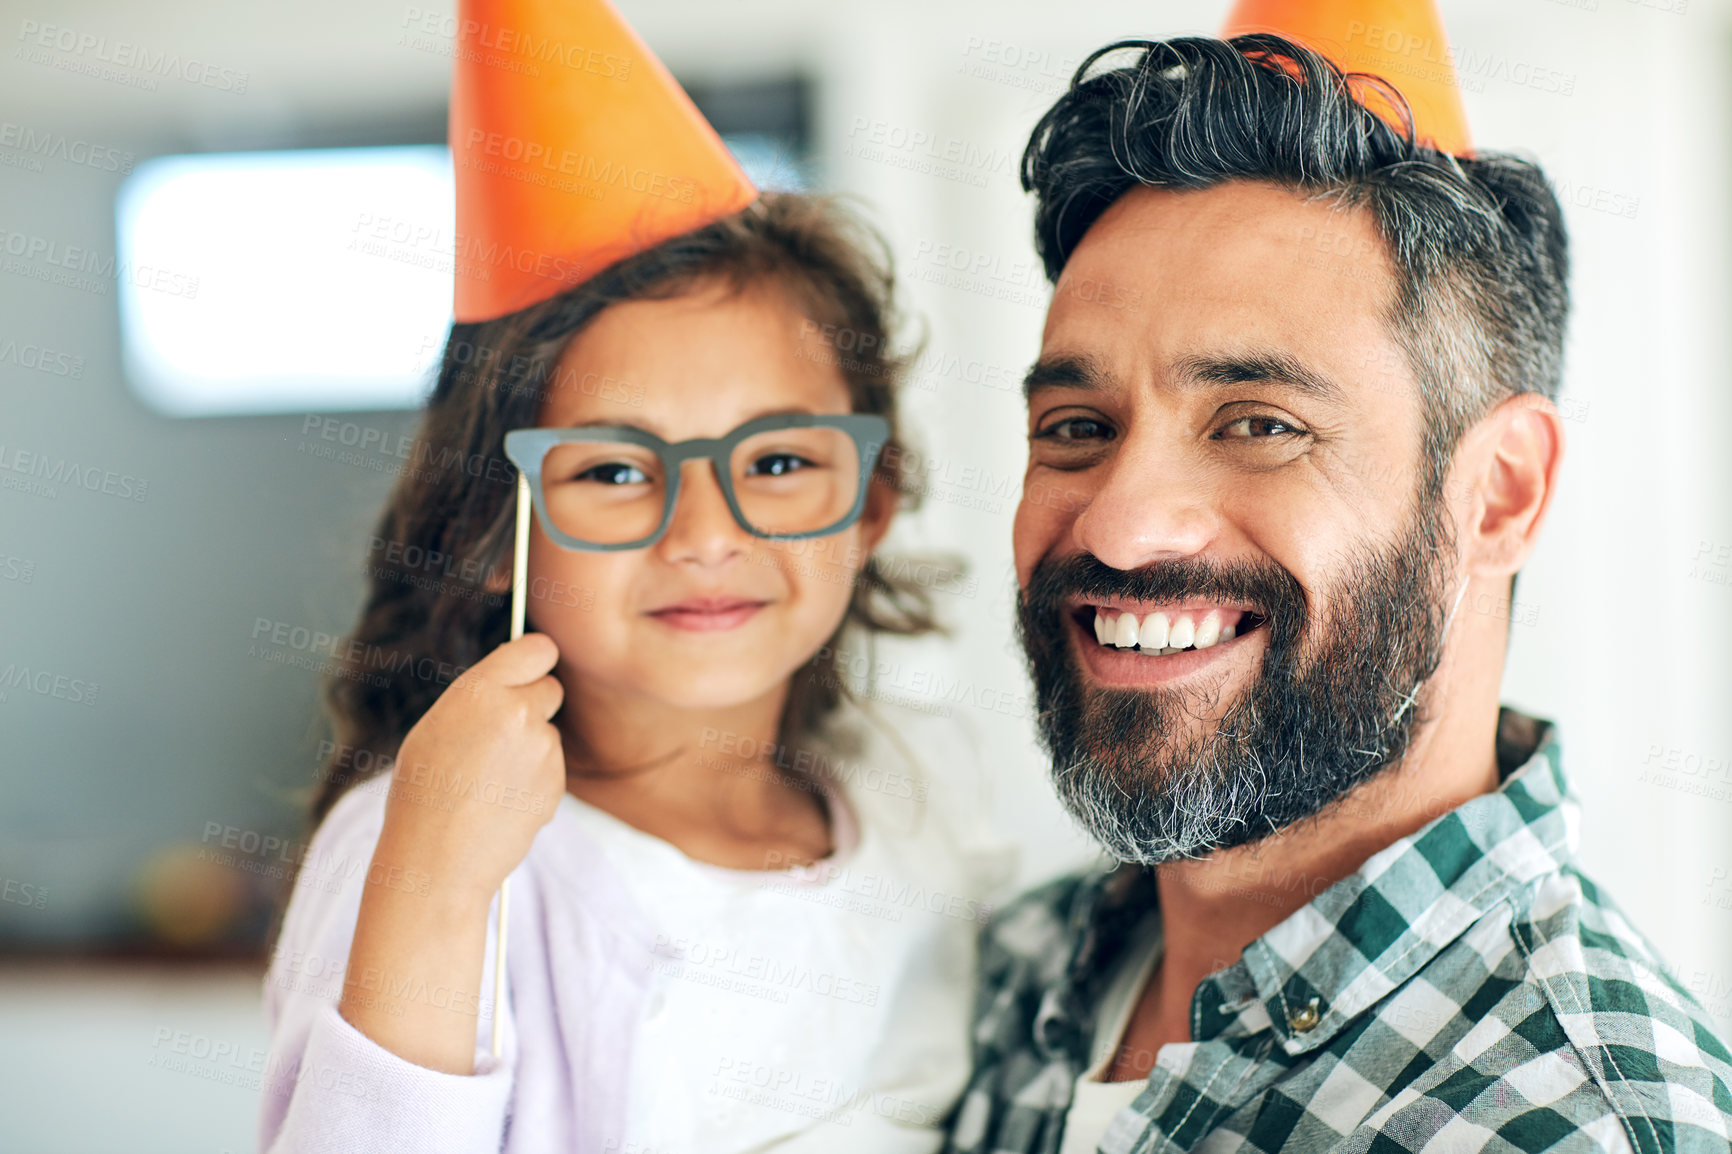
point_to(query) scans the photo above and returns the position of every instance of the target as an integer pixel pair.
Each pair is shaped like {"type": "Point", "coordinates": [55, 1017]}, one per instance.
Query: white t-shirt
{"type": "Point", "coordinates": [822, 1008]}
{"type": "Point", "coordinates": [1094, 1103]}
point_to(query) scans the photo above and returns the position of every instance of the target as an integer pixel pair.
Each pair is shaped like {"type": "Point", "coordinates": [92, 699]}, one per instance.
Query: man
{"type": "Point", "coordinates": [1277, 496]}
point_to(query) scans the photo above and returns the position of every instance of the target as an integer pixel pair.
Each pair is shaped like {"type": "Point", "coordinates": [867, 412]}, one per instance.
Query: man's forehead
{"type": "Point", "coordinates": [1174, 276]}
{"type": "Point", "coordinates": [1256, 214]}
{"type": "Point", "coordinates": [1232, 237]}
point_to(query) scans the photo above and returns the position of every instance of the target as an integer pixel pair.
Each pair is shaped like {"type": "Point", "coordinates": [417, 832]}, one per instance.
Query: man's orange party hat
{"type": "Point", "coordinates": [1400, 41]}
{"type": "Point", "coordinates": [573, 147]}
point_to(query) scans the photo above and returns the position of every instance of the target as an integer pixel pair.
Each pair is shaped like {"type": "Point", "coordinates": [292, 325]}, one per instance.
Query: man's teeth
{"type": "Point", "coordinates": [1208, 632]}
{"type": "Point", "coordinates": [1184, 632]}
{"type": "Point", "coordinates": [1161, 632]}
{"type": "Point", "coordinates": [1125, 636]}
{"type": "Point", "coordinates": [1154, 631]}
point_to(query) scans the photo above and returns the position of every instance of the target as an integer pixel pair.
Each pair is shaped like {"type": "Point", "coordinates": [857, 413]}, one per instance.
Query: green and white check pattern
{"type": "Point", "coordinates": [1467, 989]}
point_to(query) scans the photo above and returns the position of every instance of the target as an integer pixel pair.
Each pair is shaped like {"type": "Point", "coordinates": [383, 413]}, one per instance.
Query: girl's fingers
{"type": "Point", "coordinates": [545, 696]}
{"type": "Point", "coordinates": [518, 662]}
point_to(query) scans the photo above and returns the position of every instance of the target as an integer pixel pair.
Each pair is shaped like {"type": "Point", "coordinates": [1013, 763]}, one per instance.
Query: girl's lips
{"type": "Point", "coordinates": [708, 614]}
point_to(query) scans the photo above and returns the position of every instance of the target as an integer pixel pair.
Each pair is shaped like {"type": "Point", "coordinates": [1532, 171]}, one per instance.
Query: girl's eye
{"type": "Point", "coordinates": [1269, 426]}
{"type": "Point", "coordinates": [1076, 429]}
{"type": "Point", "coordinates": [614, 473]}
{"type": "Point", "coordinates": [777, 465]}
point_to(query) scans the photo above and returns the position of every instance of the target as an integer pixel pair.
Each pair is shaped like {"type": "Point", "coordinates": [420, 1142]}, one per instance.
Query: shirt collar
{"type": "Point", "coordinates": [1370, 932]}
{"type": "Point", "coordinates": [1361, 937]}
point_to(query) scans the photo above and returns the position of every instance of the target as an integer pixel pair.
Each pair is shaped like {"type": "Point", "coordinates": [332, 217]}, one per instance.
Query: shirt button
{"type": "Point", "coordinates": [1304, 1019]}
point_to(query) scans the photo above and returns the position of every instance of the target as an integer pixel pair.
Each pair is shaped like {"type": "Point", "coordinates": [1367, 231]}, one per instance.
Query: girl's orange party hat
{"type": "Point", "coordinates": [573, 148]}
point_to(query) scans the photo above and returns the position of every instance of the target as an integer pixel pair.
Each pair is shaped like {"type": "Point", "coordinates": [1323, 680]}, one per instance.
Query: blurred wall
{"type": "Point", "coordinates": [1625, 612]}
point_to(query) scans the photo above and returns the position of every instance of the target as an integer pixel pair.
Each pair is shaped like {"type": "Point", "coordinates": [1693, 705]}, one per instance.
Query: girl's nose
{"type": "Point", "coordinates": [702, 529]}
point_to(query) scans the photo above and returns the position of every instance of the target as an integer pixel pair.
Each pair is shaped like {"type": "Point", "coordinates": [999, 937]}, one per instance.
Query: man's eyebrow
{"type": "Point", "coordinates": [1271, 365]}
{"type": "Point", "coordinates": [1063, 372]}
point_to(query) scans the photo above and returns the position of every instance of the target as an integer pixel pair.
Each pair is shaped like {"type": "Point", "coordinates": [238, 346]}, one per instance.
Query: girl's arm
{"type": "Point", "coordinates": [400, 1067]}
{"type": "Point", "coordinates": [413, 983]}
{"type": "Point", "coordinates": [327, 1085]}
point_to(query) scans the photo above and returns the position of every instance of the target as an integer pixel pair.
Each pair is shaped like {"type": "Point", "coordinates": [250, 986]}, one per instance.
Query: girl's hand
{"type": "Point", "coordinates": [480, 773]}
{"type": "Point", "coordinates": [476, 779]}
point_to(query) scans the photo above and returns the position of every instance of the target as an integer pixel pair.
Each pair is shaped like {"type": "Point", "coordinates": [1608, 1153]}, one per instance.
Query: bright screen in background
{"type": "Point", "coordinates": [259, 282]}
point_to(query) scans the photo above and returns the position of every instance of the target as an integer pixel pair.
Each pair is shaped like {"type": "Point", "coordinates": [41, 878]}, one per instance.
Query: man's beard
{"type": "Point", "coordinates": [1321, 718]}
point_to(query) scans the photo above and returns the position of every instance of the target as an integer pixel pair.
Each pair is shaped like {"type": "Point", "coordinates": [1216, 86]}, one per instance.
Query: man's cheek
{"type": "Point", "coordinates": [1040, 524]}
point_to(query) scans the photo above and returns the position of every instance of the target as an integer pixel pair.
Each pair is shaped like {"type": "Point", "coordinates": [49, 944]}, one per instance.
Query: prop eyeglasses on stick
{"type": "Point", "coordinates": [608, 488]}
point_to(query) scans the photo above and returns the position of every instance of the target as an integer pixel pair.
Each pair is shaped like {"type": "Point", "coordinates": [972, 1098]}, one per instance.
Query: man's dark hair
{"type": "Point", "coordinates": [1478, 244]}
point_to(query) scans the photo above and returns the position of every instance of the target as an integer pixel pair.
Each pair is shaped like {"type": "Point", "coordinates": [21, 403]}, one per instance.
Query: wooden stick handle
{"type": "Point", "coordinates": [519, 603]}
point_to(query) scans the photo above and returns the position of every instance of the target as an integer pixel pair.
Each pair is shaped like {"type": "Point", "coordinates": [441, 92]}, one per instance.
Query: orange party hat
{"type": "Point", "coordinates": [573, 148]}
{"type": "Point", "coordinates": [1400, 41]}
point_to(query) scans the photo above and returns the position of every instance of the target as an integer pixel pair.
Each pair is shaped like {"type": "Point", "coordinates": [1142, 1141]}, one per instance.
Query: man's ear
{"type": "Point", "coordinates": [1515, 453]}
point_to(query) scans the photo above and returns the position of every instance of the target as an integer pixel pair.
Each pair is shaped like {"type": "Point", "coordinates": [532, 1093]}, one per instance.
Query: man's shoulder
{"type": "Point", "coordinates": [1650, 1045]}
{"type": "Point", "coordinates": [1589, 1042]}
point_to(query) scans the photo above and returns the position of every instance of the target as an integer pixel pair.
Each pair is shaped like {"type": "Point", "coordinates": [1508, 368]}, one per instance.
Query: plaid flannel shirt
{"type": "Point", "coordinates": [1466, 989]}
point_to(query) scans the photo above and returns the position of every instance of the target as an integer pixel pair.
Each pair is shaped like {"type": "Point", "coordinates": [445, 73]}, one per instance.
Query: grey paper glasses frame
{"type": "Point", "coordinates": [528, 447]}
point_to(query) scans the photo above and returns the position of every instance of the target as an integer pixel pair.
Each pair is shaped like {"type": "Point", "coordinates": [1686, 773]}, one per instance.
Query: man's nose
{"type": "Point", "coordinates": [702, 529]}
{"type": "Point", "coordinates": [1149, 507]}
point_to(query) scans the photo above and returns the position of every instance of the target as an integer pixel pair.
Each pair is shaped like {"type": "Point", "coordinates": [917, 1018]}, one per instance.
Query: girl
{"type": "Point", "coordinates": [740, 918]}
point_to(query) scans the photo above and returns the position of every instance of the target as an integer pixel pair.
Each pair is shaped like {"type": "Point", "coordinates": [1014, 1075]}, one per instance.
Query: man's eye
{"type": "Point", "coordinates": [1076, 429]}
{"type": "Point", "coordinates": [613, 473]}
{"type": "Point", "coordinates": [1265, 426]}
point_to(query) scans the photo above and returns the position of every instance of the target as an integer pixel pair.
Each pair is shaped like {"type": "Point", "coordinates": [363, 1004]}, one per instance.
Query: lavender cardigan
{"type": "Point", "coordinates": [646, 992]}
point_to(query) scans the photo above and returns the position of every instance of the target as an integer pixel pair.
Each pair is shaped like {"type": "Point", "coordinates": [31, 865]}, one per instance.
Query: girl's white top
{"type": "Point", "coordinates": [658, 1005]}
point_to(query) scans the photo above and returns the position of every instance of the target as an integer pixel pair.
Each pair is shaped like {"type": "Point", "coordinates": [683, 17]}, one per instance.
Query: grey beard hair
{"type": "Point", "coordinates": [1318, 721]}
{"type": "Point", "coordinates": [1193, 815]}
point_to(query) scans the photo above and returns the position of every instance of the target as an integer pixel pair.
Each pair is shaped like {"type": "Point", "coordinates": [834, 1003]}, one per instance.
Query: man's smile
{"type": "Point", "coordinates": [1124, 643]}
